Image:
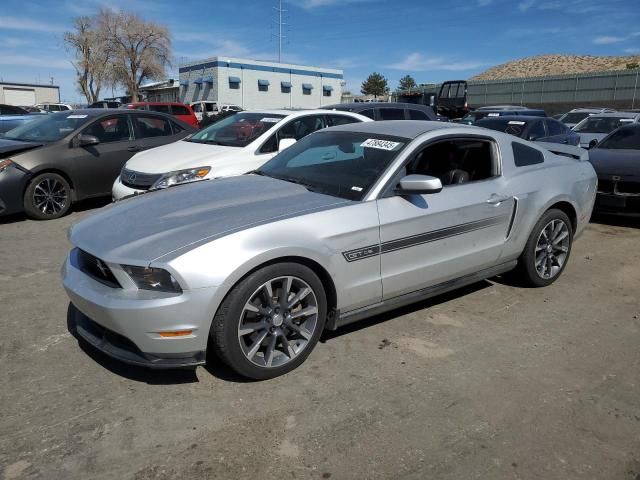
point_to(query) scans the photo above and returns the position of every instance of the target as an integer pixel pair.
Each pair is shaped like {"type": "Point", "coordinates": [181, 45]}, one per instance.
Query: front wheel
{"type": "Point", "coordinates": [47, 196]}
{"type": "Point", "coordinates": [270, 321]}
{"type": "Point", "coordinates": [547, 251]}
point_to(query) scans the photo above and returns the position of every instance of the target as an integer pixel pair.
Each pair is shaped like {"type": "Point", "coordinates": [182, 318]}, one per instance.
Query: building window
{"type": "Point", "coordinates": [285, 87]}
{"type": "Point", "coordinates": [306, 88]}
{"type": "Point", "coordinates": [234, 83]}
{"type": "Point", "coordinates": [263, 85]}
{"type": "Point", "coordinates": [326, 90]}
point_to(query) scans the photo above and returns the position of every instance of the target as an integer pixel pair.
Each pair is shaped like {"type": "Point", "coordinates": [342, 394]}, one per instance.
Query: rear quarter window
{"type": "Point", "coordinates": [524, 156]}
{"type": "Point", "coordinates": [180, 110]}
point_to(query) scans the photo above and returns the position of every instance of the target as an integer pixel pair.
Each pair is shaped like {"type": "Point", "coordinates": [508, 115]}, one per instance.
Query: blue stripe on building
{"type": "Point", "coordinates": [260, 68]}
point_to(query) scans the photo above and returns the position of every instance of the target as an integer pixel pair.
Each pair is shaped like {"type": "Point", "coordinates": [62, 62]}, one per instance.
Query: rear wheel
{"type": "Point", "coordinates": [270, 321]}
{"type": "Point", "coordinates": [47, 196]}
{"type": "Point", "coordinates": [547, 251]}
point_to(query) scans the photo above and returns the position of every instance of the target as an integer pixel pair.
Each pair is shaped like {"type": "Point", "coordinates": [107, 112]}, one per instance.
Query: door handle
{"type": "Point", "coordinates": [135, 148]}
{"type": "Point", "coordinates": [496, 199]}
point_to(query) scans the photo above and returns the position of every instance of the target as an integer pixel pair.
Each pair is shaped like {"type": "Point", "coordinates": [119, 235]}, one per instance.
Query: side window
{"type": "Point", "coordinates": [180, 110]}
{"type": "Point", "coordinates": [334, 120]}
{"type": "Point", "coordinates": [151, 126]}
{"type": "Point", "coordinates": [110, 129]}
{"type": "Point", "coordinates": [301, 127]}
{"type": "Point", "coordinates": [524, 155]}
{"type": "Point", "coordinates": [176, 128]}
{"type": "Point", "coordinates": [210, 107]}
{"type": "Point", "coordinates": [63, 108]}
{"type": "Point", "coordinates": [159, 108]}
{"type": "Point", "coordinates": [270, 145]}
{"type": "Point", "coordinates": [369, 113]}
{"type": "Point", "coordinates": [196, 107]}
{"type": "Point", "coordinates": [555, 127]}
{"type": "Point", "coordinates": [456, 161]}
{"type": "Point", "coordinates": [391, 114]}
{"type": "Point", "coordinates": [417, 115]}
{"type": "Point", "coordinates": [536, 130]}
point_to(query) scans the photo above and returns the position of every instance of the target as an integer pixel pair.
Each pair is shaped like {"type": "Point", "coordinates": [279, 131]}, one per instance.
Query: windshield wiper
{"type": "Point", "coordinates": [208, 142]}
{"type": "Point", "coordinates": [257, 172]}
{"type": "Point", "coordinates": [297, 181]}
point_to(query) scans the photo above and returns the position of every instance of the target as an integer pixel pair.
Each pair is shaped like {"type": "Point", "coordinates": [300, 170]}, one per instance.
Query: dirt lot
{"type": "Point", "coordinates": [492, 382]}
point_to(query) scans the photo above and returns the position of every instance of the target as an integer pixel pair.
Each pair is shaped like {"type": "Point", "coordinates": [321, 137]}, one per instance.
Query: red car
{"type": "Point", "coordinates": [178, 110]}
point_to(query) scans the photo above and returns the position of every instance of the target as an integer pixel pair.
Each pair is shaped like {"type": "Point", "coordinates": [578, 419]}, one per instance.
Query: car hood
{"type": "Point", "coordinates": [622, 163]}
{"type": "Point", "coordinates": [141, 229]}
{"type": "Point", "coordinates": [9, 147]}
{"type": "Point", "coordinates": [180, 155]}
{"type": "Point", "coordinates": [585, 137]}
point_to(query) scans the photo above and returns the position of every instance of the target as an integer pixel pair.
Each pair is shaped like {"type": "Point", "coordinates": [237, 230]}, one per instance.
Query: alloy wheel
{"type": "Point", "coordinates": [50, 196]}
{"type": "Point", "coordinates": [552, 249]}
{"type": "Point", "coordinates": [278, 321]}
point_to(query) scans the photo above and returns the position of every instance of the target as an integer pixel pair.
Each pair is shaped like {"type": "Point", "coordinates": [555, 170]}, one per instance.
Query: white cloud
{"type": "Point", "coordinates": [607, 40]}
{"type": "Point", "coordinates": [526, 5]}
{"type": "Point", "coordinates": [632, 51]}
{"type": "Point", "coordinates": [416, 62]}
{"type": "Point", "coordinates": [34, 61]}
{"type": "Point", "coordinates": [23, 23]}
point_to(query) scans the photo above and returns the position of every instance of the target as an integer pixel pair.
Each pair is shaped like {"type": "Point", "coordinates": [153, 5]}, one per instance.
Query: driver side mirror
{"type": "Point", "coordinates": [592, 144]}
{"type": "Point", "coordinates": [418, 184]}
{"type": "Point", "coordinates": [85, 140]}
{"type": "Point", "coordinates": [285, 143]}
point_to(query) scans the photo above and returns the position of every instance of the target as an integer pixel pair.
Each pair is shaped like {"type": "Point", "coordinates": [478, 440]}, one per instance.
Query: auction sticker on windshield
{"type": "Point", "coordinates": [77, 116]}
{"type": "Point", "coordinates": [380, 144]}
{"type": "Point", "coordinates": [516, 122]}
{"type": "Point", "coordinates": [270, 119]}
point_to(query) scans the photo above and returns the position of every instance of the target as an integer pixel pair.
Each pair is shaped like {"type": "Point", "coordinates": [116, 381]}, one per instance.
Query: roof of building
{"type": "Point", "coordinates": [18, 84]}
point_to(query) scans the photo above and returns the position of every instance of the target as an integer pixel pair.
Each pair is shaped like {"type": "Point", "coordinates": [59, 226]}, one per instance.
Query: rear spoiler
{"type": "Point", "coordinates": [577, 153]}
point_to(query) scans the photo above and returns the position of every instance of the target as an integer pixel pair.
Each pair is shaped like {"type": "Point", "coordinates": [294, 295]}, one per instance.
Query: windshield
{"type": "Point", "coordinates": [622, 139]}
{"type": "Point", "coordinates": [238, 130]}
{"type": "Point", "coordinates": [473, 117]}
{"type": "Point", "coordinates": [600, 124]}
{"type": "Point", "coordinates": [514, 127]}
{"type": "Point", "coordinates": [575, 117]}
{"type": "Point", "coordinates": [341, 164]}
{"type": "Point", "coordinates": [49, 128]}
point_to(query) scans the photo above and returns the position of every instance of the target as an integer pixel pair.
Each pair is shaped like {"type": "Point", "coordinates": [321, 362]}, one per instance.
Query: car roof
{"type": "Point", "coordinates": [367, 105]}
{"type": "Point", "coordinates": [616, 115]}
{"type": "Point", "coordinates": [400, 128]}
{"type": "Point", "coordinates": [511, 118]}
{"type": "Point", "coordinates": [592, 109]}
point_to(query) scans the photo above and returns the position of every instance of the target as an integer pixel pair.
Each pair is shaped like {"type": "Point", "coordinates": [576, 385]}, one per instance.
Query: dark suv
{"type": "Point", "coordinates": [387, 110]}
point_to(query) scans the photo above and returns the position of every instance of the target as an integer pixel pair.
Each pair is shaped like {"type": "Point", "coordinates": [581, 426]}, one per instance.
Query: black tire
{"type": "Point", "coordinates": [225, 334]}
{"type": "Point", "coordinates": [38, 205]}
{"type": "Point", "coordinates": [527, 270]}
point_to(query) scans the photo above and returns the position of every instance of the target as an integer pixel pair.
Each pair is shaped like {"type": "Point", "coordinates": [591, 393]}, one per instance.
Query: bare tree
{"type": "Point", "coordinates": [91, 57]}
{"type": "Point", "coordinates": [141, 50]}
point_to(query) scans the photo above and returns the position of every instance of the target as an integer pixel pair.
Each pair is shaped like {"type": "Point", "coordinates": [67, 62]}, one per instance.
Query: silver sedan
{"type": "Point", "coordinates": [349, 222]}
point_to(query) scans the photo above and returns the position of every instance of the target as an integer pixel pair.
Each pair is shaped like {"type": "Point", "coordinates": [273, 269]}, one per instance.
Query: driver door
{"type": "Point", "coordinates": [430, 239]}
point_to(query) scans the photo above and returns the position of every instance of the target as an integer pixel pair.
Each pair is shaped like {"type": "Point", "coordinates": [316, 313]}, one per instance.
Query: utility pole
{"type": "Point", "coordinates": [280, 36]}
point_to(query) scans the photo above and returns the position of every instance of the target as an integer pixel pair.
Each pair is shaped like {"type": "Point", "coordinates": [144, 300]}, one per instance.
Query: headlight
{"type": "Point", "coordinates": [156, 279]}
{"type": "Point", "coordinates": [181, 176]}
{"type": "Point", "coordinates": [4, 164]}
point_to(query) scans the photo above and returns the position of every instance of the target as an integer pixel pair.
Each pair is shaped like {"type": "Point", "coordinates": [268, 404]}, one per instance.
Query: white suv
{"type": "Point", "coordinates": [53, 107]}
{"type": "Point", "coordinates": [233, 146]}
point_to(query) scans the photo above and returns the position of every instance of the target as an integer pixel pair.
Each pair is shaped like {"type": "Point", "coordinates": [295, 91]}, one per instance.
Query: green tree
{"type": "Point", "coordinates": [375, 85]}
{"type": "Point", "coordinates": [407, 83]}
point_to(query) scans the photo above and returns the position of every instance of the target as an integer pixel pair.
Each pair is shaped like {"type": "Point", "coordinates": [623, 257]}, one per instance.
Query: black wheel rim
{"type": "Point", "coordinates": [278, 321]}
{"type": "Point", "coordinates": [552, 249]}
{"type": "Point", "coordinates": [50, 196]}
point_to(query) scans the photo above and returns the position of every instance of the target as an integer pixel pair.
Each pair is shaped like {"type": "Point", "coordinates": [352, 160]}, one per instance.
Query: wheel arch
{"type": "Point", "coordinates": [57, 171]}
{"type": "Point", "coordinates": [569, 210]}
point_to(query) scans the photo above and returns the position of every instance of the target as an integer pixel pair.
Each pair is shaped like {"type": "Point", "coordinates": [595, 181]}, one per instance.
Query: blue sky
{"type": "Point", "coordinates": [431, 40]}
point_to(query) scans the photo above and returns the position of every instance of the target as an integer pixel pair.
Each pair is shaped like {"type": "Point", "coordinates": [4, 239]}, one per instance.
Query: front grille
{"type": "Point", "coordinates": [628, 187]}
{"type": "Point", "coordinates": [605, 186]}
{"type": "Point", "coordinates": [97, 269]}
{"type": "Point", "coordinates": [138, 180]}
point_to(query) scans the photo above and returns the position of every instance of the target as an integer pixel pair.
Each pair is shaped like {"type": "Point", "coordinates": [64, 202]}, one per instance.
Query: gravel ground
{"type": "Point", "coordinates": [490, 382]}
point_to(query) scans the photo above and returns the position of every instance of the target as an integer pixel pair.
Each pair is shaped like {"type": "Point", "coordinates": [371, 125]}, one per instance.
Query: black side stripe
{"type": "Point", "coordinates": [413, 240]}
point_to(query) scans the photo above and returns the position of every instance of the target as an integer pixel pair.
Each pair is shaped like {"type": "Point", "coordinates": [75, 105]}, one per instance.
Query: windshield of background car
{"type": "Point", "coordinates": [600, 124]}
{"type": "Point", "coordinates": [575, 117]}
{"type": "Point", "coordinates": [514, 127]}
{"type": "Point", "coordinates": [341, 164]}
{"type": "Point", "coordinates": [238, 130]}
{"type": "Point", "coordinates": [622, 139]}
{"type": "Point", "coordinates": [473, 117]}
{"type": "Point", "coordinates": [48, 128]}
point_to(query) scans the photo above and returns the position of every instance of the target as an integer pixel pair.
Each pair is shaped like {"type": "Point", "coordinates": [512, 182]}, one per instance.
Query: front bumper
{"type": "Point", "coordinates": [120, 191]}
{"type": "Point", "coordinates": [13, 182]}
{"type": "Point", "coordinates": [618, 204]}
{"type": "Point", "coordinates": [125, 323]}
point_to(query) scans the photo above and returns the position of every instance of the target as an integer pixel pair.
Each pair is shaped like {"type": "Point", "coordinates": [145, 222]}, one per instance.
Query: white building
{"type": "Point", "coordinates": [254, 84]}
{"type": "Point", "coordinates": [26, 94]}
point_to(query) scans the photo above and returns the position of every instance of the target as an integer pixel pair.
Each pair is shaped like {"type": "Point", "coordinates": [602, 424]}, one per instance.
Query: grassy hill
{"type": "Point", "coordinates": [555, 65]}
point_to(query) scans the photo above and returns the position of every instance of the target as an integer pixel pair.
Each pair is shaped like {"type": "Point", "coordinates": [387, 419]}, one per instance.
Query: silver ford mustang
{"type": "Point", "coordinates": [349, 222]}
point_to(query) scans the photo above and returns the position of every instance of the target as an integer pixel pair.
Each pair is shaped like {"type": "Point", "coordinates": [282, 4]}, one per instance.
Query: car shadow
{"type": "Point", "coordinates": [82, 206]}
{"type": "Point", "coordinates": [329, 335]}
{"type": "Point", "coordinates": [616, 220]}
